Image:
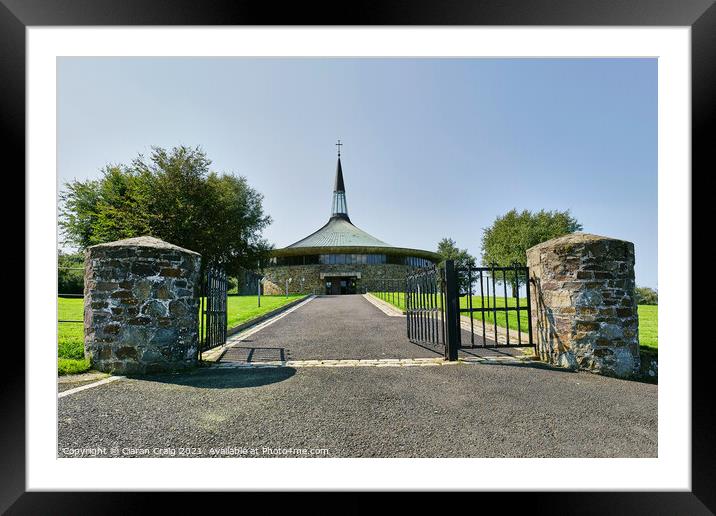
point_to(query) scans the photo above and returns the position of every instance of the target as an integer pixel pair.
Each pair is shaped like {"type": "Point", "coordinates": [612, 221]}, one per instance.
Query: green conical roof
{"type": "Point", "coordinates": [339, 232]}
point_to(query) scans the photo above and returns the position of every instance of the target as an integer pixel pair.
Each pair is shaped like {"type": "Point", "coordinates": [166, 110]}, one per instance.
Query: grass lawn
{"type": "Point", "coordinates": [649, 327]}
{"type": "Point", "coordinates": [70, 336]}
{"type": "Point", "coordinates": [244, 308]}
{"type": "Point", "coordinates": [648, 316]}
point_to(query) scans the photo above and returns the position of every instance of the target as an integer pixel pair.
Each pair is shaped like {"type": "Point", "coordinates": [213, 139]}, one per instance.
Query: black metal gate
{"type": "Point", "coordinates": [212, 311]}
{"type": "Point", "coordinates": [437, 297]}
{"type": "Point", "coordinates": [503, 320]}
{"type": "Point", "coordinates": [431, 309]}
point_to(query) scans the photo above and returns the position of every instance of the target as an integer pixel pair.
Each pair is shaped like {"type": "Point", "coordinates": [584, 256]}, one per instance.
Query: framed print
{"type": "Point", "coordinates": [385, 247]}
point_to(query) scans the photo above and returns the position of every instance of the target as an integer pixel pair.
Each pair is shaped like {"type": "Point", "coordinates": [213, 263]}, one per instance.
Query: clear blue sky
{"type": "Point", "coordinates": [433, 147]}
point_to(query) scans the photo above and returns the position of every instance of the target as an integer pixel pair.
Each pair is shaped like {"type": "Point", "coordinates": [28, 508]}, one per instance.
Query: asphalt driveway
{"type": "Point", "coordinates": [337, 327]}
{"type": "Point", "coordinates": [464, 410]}
{"type": "Point", "coordinates": [331, 327]}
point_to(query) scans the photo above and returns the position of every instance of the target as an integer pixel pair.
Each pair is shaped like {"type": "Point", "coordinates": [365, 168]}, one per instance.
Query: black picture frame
{"type": "Point", "coordinates": [700, 15]}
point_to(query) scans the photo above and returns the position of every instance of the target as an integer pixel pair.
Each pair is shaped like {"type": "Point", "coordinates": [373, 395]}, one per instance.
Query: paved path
{"type": "Point", "coordinates": [337, 327]}
{"type": "Point", "coordinates": [331, 327]}
{"type": "Point", "coordinates": [464, 410]}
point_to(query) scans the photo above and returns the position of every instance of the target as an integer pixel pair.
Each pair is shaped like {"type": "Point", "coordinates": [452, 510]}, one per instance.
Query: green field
{"type": "Point", "coordinates": [244, 308]}
{"type": "Point", "coordinates": [649, 326]}
{"type": "Point", "coordinates": [70, 336]}
{"type": "Point", "coordinates": [648, 315]}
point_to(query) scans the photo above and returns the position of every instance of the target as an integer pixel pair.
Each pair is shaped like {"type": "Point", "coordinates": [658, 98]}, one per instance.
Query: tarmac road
{"type": "Point", "coordinates": [338, 327]}
{"type": "Point", "coordinates": [463, 410]}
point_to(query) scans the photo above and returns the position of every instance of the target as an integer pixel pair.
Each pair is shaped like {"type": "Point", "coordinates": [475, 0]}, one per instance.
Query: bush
{"type": "Point", "coordinates": [69, 279]}
{"type": "Point", "coordinates": [646, 296]}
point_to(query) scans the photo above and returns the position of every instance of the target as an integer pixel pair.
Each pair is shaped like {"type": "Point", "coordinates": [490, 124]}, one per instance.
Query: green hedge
{"type": "Point", "coordinates": [70, 273]}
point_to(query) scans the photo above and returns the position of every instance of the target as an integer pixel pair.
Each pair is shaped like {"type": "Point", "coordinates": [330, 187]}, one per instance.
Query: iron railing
{"type": "Point", "coordinates": [483, 284]}
{"type": "Point", "coordinates": [431, 307]}
{"type": "Point", "coordinates": [391, 290]}
{"type": "Point", "coordinates": [424, 302]}
{"type": "Point", "coordinates": [213, 309]}
{"type": "Point", "coordinates": [437, 297]}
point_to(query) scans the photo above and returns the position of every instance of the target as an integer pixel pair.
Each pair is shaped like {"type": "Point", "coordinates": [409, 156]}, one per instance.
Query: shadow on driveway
{"type": "Point", "coordinates": [253, 354]}
{"type": "Point", "coordinates": [229, 378]}
{"type": "Point", "coordinates": [529, 364]}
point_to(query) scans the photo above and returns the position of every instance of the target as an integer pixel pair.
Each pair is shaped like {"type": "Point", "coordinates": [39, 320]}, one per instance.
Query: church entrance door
{"type": "Point", "coordinates": [336, 286]}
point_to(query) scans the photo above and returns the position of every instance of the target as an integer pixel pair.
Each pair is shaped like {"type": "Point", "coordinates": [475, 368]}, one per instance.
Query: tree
{"type": "Point", "coordinates": [646, 296]}
{"type": "Point", "coordinates": [448, 250]}
{"type": "Point", "coordinates": [509, 237]}
{"type": "Point", "coordinates": [507, 240]}
{"type": "Point", "coordinates": [172, 195]}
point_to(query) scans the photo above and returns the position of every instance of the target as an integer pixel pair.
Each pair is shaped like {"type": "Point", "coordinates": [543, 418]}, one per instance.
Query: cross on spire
{"type": "Point", "coordinates": [339, 147]}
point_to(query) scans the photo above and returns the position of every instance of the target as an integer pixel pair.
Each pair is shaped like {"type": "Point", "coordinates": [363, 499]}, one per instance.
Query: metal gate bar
{"type": "Point", "coordinates": [213, 309]}
{"type": "Point", "coordinates": [486, 280]}
{"type": "Point", "coordinates": [431, 308]}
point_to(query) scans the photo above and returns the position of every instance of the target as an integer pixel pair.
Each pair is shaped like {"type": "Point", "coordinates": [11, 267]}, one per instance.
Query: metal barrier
{"type": "Point", "coordinates": [432, 316]}
{"type": "Point", "coordinates": [434, 304]}
{"type": "Point", "coordinates": [495, 309]}
{"type": "Point", "coordinates": [391, 290]}
{"type": "Point", "coordinates": [213, 309]}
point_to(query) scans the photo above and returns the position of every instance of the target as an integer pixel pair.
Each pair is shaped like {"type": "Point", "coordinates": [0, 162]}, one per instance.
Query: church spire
{"type": "Point", "coordinates": [340, 208]}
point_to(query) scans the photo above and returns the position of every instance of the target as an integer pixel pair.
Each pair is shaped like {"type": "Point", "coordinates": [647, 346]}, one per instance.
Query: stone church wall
{"type": "Point", "coordinates": [275, 277]}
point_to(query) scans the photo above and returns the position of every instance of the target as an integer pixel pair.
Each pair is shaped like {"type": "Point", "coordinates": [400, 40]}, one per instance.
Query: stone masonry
{"type": "Point", "coordinates": [276, 276]}
{"type": "Point", "coordinates": [584, 313]}
{"type": "Point", "coordinates": [141, 306]}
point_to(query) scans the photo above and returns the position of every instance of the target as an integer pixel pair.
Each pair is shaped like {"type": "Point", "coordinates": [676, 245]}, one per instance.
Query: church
{"type": "Point", "coordinates": [340, 258]}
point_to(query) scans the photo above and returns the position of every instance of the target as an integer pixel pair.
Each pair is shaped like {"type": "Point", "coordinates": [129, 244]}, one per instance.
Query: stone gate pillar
{"type": "Point", "coordinates": [141, 306]}
{"type": "Point", "coordinates": [584, 313]}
